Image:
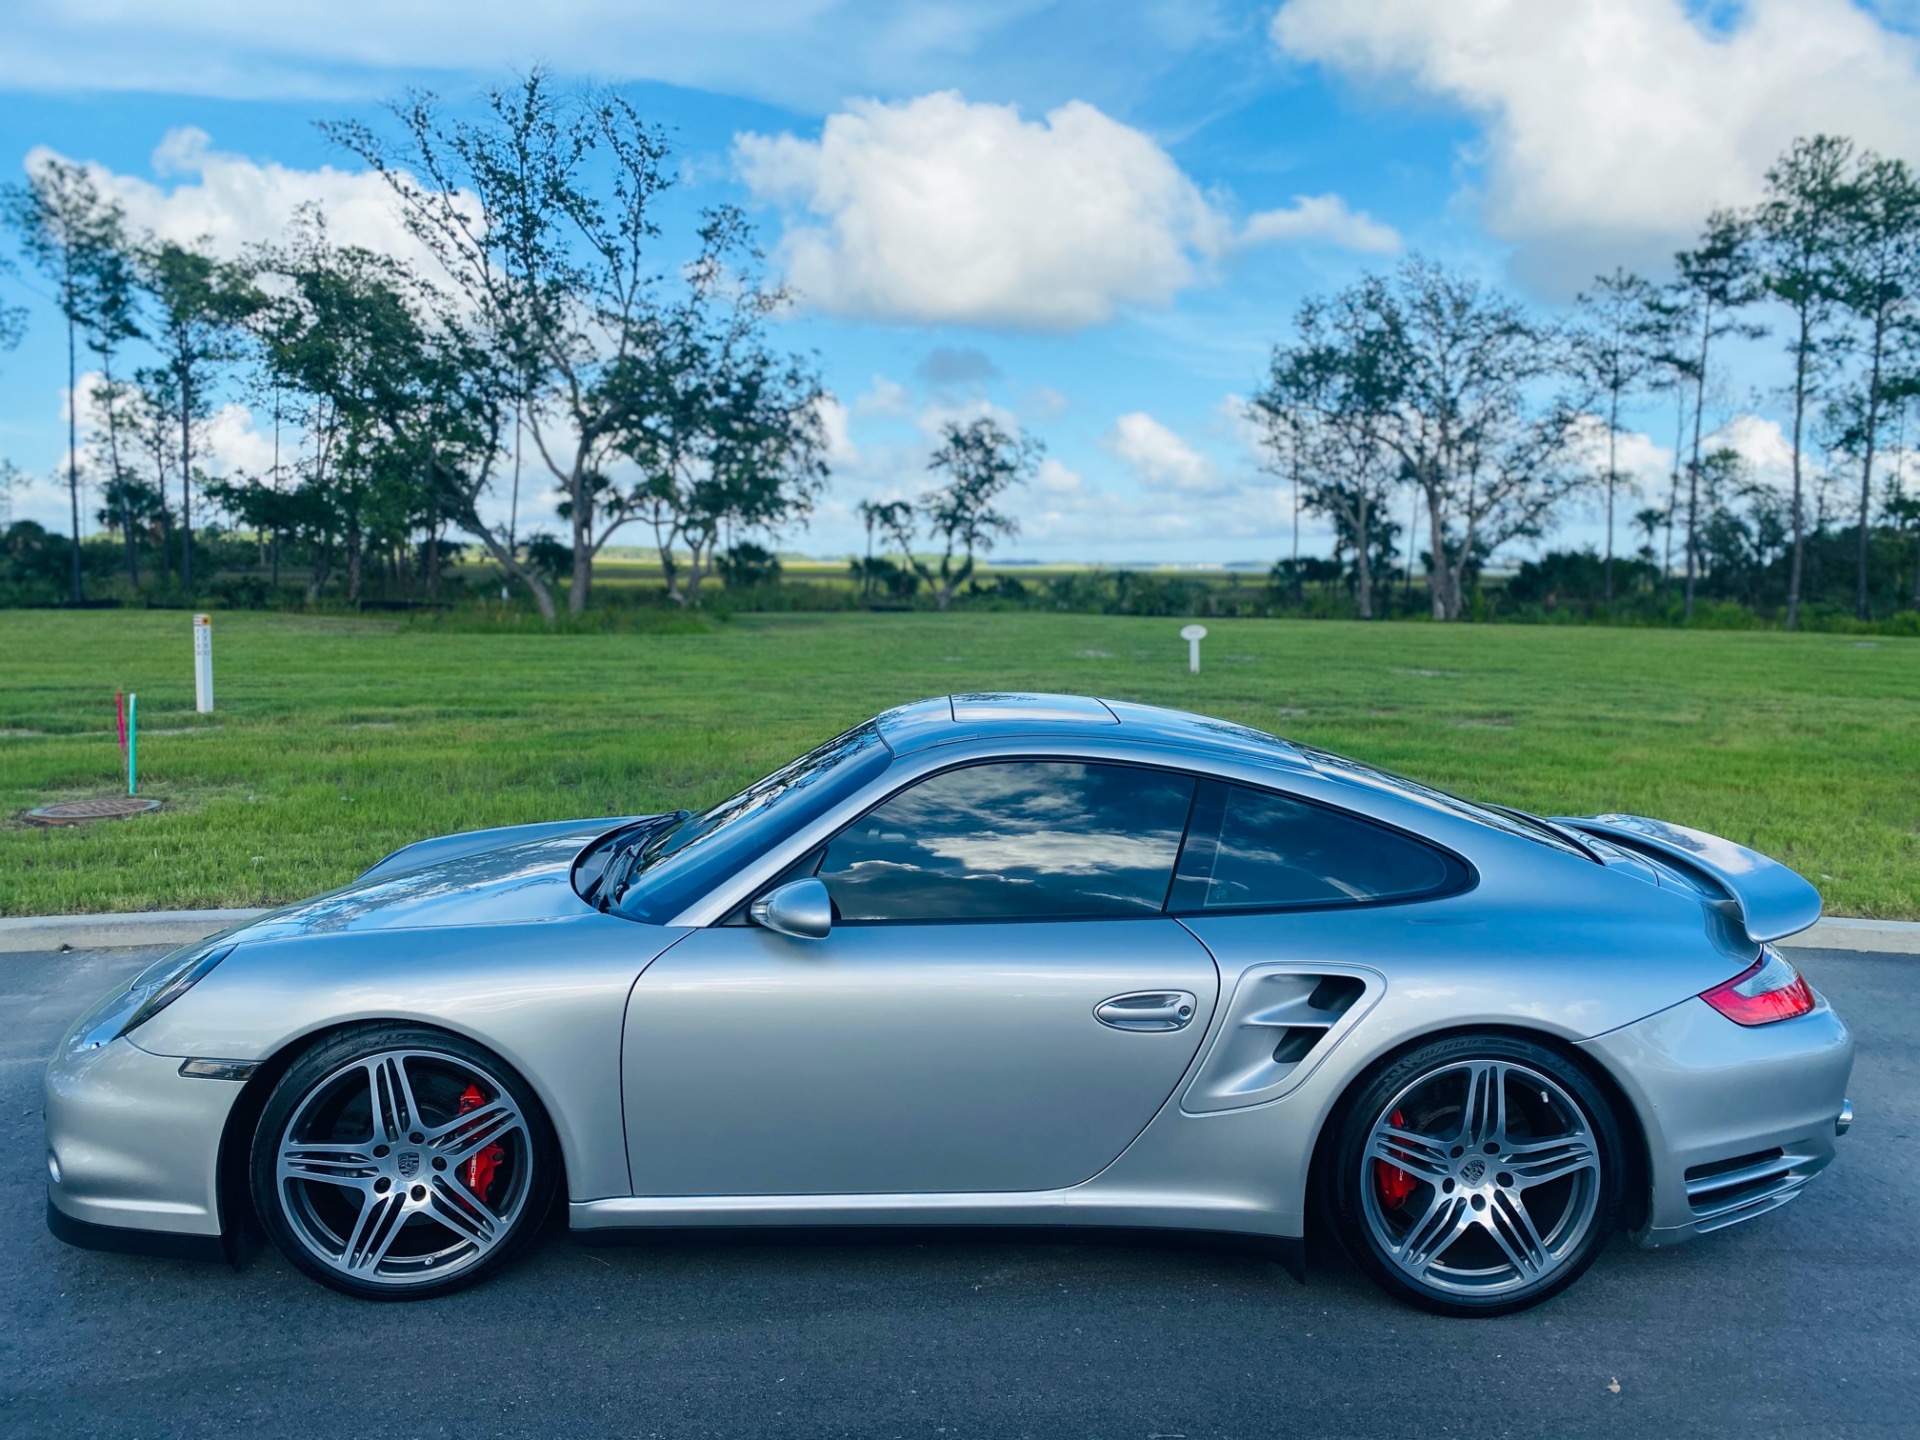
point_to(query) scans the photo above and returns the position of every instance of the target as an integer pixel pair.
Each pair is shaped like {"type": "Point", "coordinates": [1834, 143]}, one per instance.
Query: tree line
{"type": "Point", "coordinates": [1429, 382]}
{"type": "Point", "coordinates": [542, 332]}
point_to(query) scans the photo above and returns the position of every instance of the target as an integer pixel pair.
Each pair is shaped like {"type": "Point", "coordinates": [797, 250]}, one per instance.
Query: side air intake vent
{"type": "Point", "coordinates": [1280, 1022]}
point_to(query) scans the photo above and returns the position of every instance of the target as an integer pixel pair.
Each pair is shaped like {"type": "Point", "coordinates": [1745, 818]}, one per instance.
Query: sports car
{"type": "Point", "coordinates": [984, 960]}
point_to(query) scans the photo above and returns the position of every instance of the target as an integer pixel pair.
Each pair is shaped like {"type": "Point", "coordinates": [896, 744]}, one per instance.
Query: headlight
{"type": "Point", "coordinates": [152, 990]}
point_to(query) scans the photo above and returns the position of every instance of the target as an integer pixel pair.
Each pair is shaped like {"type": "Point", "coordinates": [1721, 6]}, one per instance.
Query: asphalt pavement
{"type": "Point", "coordinates": [1803, 1323]}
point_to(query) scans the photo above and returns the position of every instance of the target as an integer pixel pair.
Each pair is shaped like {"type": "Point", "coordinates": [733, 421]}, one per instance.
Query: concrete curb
{"type": "Point", "coordinates": [1885, 937]}
{"type": "Point", "coordinates": [105, 932]}
{"type": "Point", "coordinates": [182, 927]}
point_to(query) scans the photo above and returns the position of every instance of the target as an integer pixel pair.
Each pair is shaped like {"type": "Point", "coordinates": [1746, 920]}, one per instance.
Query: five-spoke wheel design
{"type": "Point", "coordinates": [1479, 1175]}
{"type": "Point", "coordinates": [398, 1163]}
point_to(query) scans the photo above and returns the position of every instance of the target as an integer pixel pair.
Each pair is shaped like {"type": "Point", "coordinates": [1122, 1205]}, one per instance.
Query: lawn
{"type": "Point", "coordinates": [335, 741]}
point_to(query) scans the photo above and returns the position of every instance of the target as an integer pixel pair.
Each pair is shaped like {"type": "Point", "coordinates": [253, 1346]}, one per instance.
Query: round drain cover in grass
{"type": "Point", "coordinates": [79, 812]}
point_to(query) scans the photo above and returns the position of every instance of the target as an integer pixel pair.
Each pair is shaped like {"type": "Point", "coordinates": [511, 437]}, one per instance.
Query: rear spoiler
{"type": "Point", "coordinates": [1770, 900]}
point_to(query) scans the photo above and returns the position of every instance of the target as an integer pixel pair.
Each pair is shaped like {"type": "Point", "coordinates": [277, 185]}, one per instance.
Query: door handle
{"type": "Point", "coordinates": [1147, 1010]}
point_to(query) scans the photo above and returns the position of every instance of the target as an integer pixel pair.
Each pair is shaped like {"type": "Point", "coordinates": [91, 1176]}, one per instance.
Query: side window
{"type": "Point", "coordinates": [1023, 840]}
{"type": "Point", "coordinates": [1252, 849]}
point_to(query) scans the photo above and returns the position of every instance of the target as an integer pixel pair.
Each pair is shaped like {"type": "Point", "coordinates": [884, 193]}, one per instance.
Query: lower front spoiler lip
{"type": "Point", "coordinates": [1843, 1122]}
{"type": "Point", "coordinates": [121, 1240]}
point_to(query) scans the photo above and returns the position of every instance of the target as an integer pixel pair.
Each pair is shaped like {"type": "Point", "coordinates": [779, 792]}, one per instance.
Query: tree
{"type": "Point", "coordinates": [888, 517]}
{"type": "Point", "coordinates": [1321, 409]}
{"type": "Point", "coordinates": [1455, 370]}
{"type": "Point", "coordinates": [1802, 235]}
{"type": "Point", "coordinates": [67, 230]}
{"type": "Point", "coordinates": [402, 412]}
{"type": "Point", "coordinates": [1880, 282]}
{"type": "Point", "coordinates": [1648, 523]}
{"type": "Point", "coordinates": [542, 217]}
{"type": "Point", "coordinates": [1669, 322]}
{"type": "Point", "coordinates": [1903, 510]}
{"type": "Point", "coordinates": [1615, 346]}
{"type": "Point", "coordinates": [13, 319]}
{"type": "Point", "coordinates": [147, 411]}
{"type": "Point", "coordinates": [130, 502]}
{"type": "Point", "coordinates": [726, 433]}
{"type": "Point", "coordinates": [1715, 281]}
{"type": "Point", "coordinates": [980, 462]}
{"type": "Point", "coordinates": [200, 303]}
{"type": "Point", "coordinates": [342, 341]}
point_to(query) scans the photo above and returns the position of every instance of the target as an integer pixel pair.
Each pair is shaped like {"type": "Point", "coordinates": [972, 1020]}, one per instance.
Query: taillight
{"type": "Point", "coordinates": [1772, 990]}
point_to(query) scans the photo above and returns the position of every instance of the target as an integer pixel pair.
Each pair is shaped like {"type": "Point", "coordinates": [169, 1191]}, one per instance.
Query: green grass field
{"type": "Point", "coordinates": [336, 741]}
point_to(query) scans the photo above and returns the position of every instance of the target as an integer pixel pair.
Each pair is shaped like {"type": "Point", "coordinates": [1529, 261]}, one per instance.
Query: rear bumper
{"type": "Point", "coordinates": [1737, 1119]}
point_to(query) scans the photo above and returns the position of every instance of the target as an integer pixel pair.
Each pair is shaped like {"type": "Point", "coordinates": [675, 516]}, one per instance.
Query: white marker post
{"type": "Point", "coordinates": [1193, 635]}
{"type": "Point", "coordinates": [203, 663]}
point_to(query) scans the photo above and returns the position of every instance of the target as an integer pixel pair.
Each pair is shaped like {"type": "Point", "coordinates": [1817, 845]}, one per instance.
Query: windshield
{"type": "Point", "coordinates": [1500, 817]}
{"type": "Point", "coordinates": [680, 861]}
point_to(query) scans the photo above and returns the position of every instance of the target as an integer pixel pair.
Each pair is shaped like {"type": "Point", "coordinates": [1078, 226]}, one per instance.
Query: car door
{"type": "Point", "coordinates": [1001, 1005]}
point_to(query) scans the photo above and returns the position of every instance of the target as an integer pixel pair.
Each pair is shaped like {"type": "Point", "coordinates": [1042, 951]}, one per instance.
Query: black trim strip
{"type": "Point", "coordinates": [1288, 1251]}
{"type": "Point", "coordinates": [119, 1240]}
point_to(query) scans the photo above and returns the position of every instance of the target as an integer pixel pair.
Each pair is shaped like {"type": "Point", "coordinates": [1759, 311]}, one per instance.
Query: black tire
{"type": "Point", "coordinates": [1480, 1221]}
{"type": "Point", "coordinates": [387, 1190]}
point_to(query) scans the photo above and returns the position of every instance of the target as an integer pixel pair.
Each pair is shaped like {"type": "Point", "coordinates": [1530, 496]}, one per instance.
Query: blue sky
{"type": "Point", "coordinates": [1092, 219]}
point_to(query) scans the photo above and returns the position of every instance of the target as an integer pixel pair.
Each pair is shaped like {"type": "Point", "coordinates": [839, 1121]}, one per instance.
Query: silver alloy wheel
{"type": "Point", "coordinates": [379, 1170]}
{"type": "Point", "coordinates": [1497, 1172]}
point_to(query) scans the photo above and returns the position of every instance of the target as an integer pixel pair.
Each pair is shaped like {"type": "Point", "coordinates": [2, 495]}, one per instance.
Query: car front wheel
{"type": "Point", "coordinates": [393, 1162]}
{"type": "Point", "coordinates": [1477, 1175]}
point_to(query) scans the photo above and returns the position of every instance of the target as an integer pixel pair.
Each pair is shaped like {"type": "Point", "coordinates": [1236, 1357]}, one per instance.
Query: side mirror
{"type": "Point", "coordinates": [800, 908]}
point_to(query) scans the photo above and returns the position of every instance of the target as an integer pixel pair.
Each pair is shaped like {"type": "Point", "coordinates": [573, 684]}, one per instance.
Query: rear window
{"type": "Point", "coordinates": [1252, 849]}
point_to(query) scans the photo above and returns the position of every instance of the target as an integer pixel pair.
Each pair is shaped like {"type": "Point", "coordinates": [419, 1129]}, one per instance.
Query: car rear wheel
{"type": "Point", "coordinates": [393, 1162]}
{"type": "Point", "coordinates": [1478, 1175]}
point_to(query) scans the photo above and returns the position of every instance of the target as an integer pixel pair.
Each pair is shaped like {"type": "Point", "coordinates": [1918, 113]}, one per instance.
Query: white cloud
{"type": "Point", "coordinates": [841, 451]}
{"type": "Point", "coordinates": [1159, 458]}
{"type": "Point", "coordinates": [940, 210]}
{"type": "Point", "coordinates": [1232, 418]}
{"type": "Point", "coordinates": [232, 202]}
{"type": "Point", "coordinates": [230, 441]}
{"type": "Point", "coordinates": [1057, 482]}
{"type": "Point", "coordinates": [1324, 218]}
{"type": "Point", "coordinates": [1097, 523]}
{"type": "Point", "coordinates": [233, 442]}
{"type": "Point", "coordinates": [1043, 402]}
{"type": "Point", "coordinates": [883, 397]}
{"type": "Point", "coordinates": [1763, 445]}
{"type": "Point", "coordinates": [941, 411]}
{"type": "Point", "coordinates": [1611, 126]}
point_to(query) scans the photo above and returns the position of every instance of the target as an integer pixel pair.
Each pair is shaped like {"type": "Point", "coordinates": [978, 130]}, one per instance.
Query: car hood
{"type": "Point", "coordinates": [523, 879]}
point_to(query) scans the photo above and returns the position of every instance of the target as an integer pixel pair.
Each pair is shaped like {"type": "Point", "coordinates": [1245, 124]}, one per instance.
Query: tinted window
{"type": "Point", "coordinates": [1514, 822]}
{"type": "Point", "coordinates": [1250, 848]}
{"type": "Point", "coordinates": [1024, 840]}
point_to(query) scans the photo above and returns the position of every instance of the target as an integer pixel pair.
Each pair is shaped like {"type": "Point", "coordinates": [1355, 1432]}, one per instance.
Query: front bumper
{"type": "Point", "coordinates": [133, 1147]}
{"type": "Point", "coordinates": [1737, 1118]}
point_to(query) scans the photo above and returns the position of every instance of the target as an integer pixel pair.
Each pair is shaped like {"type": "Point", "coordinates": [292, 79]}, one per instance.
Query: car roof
{"type": "Point", "coordinates": [1011, 715]}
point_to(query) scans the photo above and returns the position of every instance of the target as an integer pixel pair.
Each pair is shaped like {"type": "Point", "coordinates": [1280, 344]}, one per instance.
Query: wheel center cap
{"type": "Point", "coordinates": [1473, 1171]}
{"type": "Point", "coordinates": [407, 1162]}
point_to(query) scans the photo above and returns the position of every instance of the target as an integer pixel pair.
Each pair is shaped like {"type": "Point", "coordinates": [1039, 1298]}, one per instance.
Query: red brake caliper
{"type": "Point", "coordinates": [1395, 1184]}
{"type": "Point", "coordinates": [479, 1171]}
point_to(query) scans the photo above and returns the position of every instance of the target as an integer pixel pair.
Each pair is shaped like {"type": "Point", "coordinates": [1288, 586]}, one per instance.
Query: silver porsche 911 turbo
{"type": "Point", "coordinates": [988, 959]}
